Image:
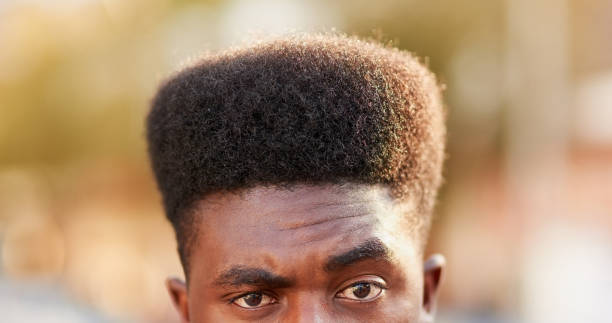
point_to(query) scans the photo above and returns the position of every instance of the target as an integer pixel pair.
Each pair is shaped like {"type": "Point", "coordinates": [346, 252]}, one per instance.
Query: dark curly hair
{"type": "Point", "coordinates": [301, 109]}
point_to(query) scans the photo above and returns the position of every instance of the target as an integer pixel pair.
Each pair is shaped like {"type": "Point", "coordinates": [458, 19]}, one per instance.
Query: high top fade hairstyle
{"type": "Point", "coordinates": [314, 109]}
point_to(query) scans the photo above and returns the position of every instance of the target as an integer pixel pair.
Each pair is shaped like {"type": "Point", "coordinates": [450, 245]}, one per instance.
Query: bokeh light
{"type": "Point", "coordinates": [525, 216]}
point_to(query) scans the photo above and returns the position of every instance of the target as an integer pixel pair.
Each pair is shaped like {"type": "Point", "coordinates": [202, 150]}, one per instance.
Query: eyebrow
{"type": "Point", "coordinates": [242, 275]}
{"type": "Point", "coordinates": [373, 249]}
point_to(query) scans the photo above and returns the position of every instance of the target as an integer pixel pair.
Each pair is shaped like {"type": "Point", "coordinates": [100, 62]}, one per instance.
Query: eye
{"type": "Point", "coordinates": [363, 291]}
{"type": "Point", "coordinates": [253, 300]}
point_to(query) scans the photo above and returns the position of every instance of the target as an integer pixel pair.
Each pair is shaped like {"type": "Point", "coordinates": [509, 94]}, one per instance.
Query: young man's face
{"type": "Point", "coordinates": [309, 254]}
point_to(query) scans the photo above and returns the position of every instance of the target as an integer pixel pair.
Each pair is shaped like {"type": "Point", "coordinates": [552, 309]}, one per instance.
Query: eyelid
{"type": "Point", "coordinates": [232, 300]}
{"type": "Point", "coordinates": [371, 279]}
{"type": "Point", "coordinates": [376, 283]}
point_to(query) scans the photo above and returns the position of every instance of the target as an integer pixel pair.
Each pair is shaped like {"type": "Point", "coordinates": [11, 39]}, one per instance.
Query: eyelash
{"type": "Point", "coordinates": [380, 285]}
{"type": "Point", "coordinates": [375, 283]}
{"type": "Point", "coordinates": [263, 292]}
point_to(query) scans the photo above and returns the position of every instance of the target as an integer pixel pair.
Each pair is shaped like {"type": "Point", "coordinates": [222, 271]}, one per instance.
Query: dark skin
{"type": "Point", "coordinates": [308, 254]}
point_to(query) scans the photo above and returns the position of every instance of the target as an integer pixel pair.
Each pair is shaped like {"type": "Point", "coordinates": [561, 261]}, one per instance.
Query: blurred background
{"type": "Point", "coordinates": [525, 217]}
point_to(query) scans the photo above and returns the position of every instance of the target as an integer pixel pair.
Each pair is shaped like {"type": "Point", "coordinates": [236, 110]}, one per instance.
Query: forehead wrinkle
{"type": "Point", "coordinates": [328, 220]}
{"type": "Point", "coordinates": [325, 211]}
{"type": "Point", "coordinates": [344, 233]}
{"type": "Point", "coordinates": [325, 204]}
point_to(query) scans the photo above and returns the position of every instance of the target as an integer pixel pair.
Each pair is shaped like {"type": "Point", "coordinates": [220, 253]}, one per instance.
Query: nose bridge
{"type": "Point", "coordinates": [308, 307]}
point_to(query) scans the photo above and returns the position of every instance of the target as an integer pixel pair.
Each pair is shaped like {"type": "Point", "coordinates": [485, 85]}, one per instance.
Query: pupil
{"type": "Point", "coordinates": [361, 290]}
{"type": "Point", "coordinates": [253, 299]}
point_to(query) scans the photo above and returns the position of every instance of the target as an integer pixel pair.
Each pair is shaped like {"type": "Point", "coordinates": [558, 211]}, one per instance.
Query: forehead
{"type": "Point", "coordinates": [274, 227]}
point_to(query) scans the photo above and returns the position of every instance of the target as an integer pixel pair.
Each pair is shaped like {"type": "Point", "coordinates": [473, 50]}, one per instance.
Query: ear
{"type": "Point", "coordinates": [431, 280]}
{"type": "Point", "coordinates": [178, 292]}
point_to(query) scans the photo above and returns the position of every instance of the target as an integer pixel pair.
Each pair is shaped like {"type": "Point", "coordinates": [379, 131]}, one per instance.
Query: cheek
{"type": "Point", "coordinates": [203, 310]}
{"type": "Point", "coordinates": [406, 307]}
{"type": "Point", "coordinates": [198, 309]}
{"type": "Point", "coordinates": [395, 308]}
{"type": "Point", "coordinates": [406, 299]}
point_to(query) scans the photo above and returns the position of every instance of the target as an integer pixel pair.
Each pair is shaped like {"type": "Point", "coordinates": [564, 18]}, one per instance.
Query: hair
{"type": "Point", "coordinates": [310, 109]}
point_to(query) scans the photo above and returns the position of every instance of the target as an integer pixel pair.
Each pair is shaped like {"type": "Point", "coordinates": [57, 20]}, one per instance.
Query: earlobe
{"type": "Point", "coordinates": [178, 292]}
{"type": "Point", "coordinates": [431, 280]}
